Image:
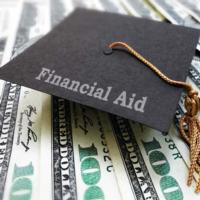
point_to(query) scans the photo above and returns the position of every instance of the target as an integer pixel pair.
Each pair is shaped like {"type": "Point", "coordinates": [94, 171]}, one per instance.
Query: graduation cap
{"type": "Point", "coordinates": [71, 62]}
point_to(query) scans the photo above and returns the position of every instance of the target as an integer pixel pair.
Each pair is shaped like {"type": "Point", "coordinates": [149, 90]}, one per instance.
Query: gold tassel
{"type": "Point", "coordinates": [191, 134]}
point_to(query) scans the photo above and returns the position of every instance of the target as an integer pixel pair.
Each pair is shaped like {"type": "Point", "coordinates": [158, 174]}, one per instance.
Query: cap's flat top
{"type": "Point", "coordinates": [69, 62]}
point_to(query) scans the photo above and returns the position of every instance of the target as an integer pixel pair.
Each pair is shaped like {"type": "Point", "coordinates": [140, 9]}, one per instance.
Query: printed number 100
{"type": "Point", "coordinates": [90, 172]}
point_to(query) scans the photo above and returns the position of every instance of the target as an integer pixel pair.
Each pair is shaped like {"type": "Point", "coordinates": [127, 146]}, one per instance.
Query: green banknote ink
{"type": "Point", "coordinates": [21, 186]}
{"type": "Point", "coordinates": [90, 172]}
{"type": "Point", "coordinates": [169, 186]}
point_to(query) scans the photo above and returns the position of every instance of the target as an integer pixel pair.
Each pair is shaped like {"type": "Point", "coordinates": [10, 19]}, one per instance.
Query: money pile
{"type": "Point", "coordinates": [51, 148]}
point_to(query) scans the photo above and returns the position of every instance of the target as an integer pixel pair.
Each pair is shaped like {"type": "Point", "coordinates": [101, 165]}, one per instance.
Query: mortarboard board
{"type": "Point", "coordinates": [70, 62]}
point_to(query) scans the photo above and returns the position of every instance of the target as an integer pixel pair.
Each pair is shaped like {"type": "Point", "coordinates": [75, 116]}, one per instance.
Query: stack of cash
{"type": "Point", "coordinates": [51, 148]}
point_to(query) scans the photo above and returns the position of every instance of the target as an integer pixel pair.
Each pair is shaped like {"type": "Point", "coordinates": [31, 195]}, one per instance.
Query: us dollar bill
{"type": "Point", "coordinates": [59, 9]}
{"type": "Point", "coordinates": [90, 4]}
{"type": "Point", "coordinates": [167, 156]}
{"type": "Point", "coordinates": [114, 6]}
{"type": "Point", "coordinates": [7, 13]}
{"type": "Point", "coordinates": [173, 12]}
{"type": "Point", "coordinates": [192, 7]}
{"type": "Point", "coordinates": [131, 171]}
{"type": "Point", "coordinates": [63, 164]}
{"type": "Point", "coordinates": [81, 165]}
{"type": "Point", "coordinates": [94, 169]}
{"type": "Point", "coordinates": [146, 162]}
{"type": "Point", "coordinates": [23, 31]}
{"type": "Point", "coordinates": [22, 171]}
{"type": "Point", "coordinates": [33, 22]}
{"type": "Point", "coordinates": [176, 14]}
{"type": "Point", "coordinates": [10, 111]}
{"type": "Point", "coordinates": [140, 8]}
{"type": "Point", "coordinates": [45, 178]}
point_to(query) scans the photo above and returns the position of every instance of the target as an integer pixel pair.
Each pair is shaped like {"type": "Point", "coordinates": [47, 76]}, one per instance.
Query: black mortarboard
{"type": "Point", "coordinates": [70, 62]}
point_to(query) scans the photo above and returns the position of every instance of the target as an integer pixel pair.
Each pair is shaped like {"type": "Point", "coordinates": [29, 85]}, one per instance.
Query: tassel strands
{"type": "Point", "coordinates": [192, 134]}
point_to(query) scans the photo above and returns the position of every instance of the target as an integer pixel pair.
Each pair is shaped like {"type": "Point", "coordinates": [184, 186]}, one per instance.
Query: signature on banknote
{"type": "Point", "coordinates": [26, 120]}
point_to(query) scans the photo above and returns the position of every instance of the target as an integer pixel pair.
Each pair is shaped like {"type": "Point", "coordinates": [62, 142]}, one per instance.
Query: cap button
{"type": "Point", "coordinates": [107, 50]}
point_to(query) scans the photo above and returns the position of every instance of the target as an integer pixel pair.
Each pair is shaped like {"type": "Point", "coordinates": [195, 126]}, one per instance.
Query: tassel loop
{"type": "Point", "coordinates": [192, 103]}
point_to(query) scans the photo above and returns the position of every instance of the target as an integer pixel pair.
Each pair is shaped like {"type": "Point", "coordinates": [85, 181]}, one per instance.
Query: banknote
{"type": "Point", "coordinates": [176, 181]}
{"type": "Point", "coordinates": [34, 22]}
{"type": "Point", "coordinates": [81, 166]}
{"type": "Point", "coordinates": [24, 148]}
{"type": "Point", "coordinates": [12, 137]}
{"type": "Point", "coordinates": [94, 167]}
{"type": "Point", "coordinates": [7, 125]}
{"type": "Point", "coordinates": [131, 171]}
{"type": "Point", "coordinates": [8, 112]}
{"type": "Point", "coordinates": [59, 9]}
{"type": "Point", "coordinates": [139, 8]}
{"type": "Point", "coordinates": [63, 164]}
{"type": "Point", "coordinates": [114, 6]}
{"type": "Point", "coordinates": [45, 179]}
{"type": "Point", "coordinates": [146, 162]}
{"type": "Point", "coordinates": [176, 14]}
{"type": "Point", "coordinates": [192, 7]}
{"type": "Point", "coordinates": [89, 4]}
{"type": "Point", "coordinates": [7, 13]}
{"type": "Point", "coordinates": [172, 13]}
{"type": "Point", "coordinates": [31, 20]}
{"type": "Point", "coordinates": [23, 29]}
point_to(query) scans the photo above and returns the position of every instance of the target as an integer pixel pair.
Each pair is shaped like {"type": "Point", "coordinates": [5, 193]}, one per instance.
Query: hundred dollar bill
{"type": "Point", "coordinates": [60, 9]}
{"type": "Point", "coordinates": [23, 174]}
{"type": "Point", "coordinates": [175, 13]}
{"type": "Point", "coordinates": [192, 7]}
{"type": "Point", "coordinates": [94, 170]}
{"type": "Point", "coordinates": [10, 97]}
{"type": "Point", "coordinates": [7, 10]}
{"type": "Point", "coordinates": [139, 8]}
{"type": "Point", "coordinates": [23, 30]}
{"type": "Point", "coordinates": [89, 4]}
{"type": "Point", "coordinates": [63, 165]}
{"type": "Point", "coordinates": [46, 151]}
{"type": "Point", "coordinates": [8, 112]}
{"type": "Point", "coordinates": [172, 13]}
{"type": "Point", "coordinates": [33, 21]}
{"type": "Point", "coordinates": [81, 166]}
{"type": "Point", "coordinates": [131, 171]}
{"type": "Point", "coordinates": [165, 156]}
{"type": "Point", "coordinates": [113, 6]}
{"type": "Point", "coordinates": [20, 36]}
{"type": "Point", "coordinates": [146, 162]}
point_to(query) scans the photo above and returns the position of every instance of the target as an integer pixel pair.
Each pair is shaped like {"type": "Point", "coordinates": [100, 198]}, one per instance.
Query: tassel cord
{"type": "Point", "coordinates": [189, 125]}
